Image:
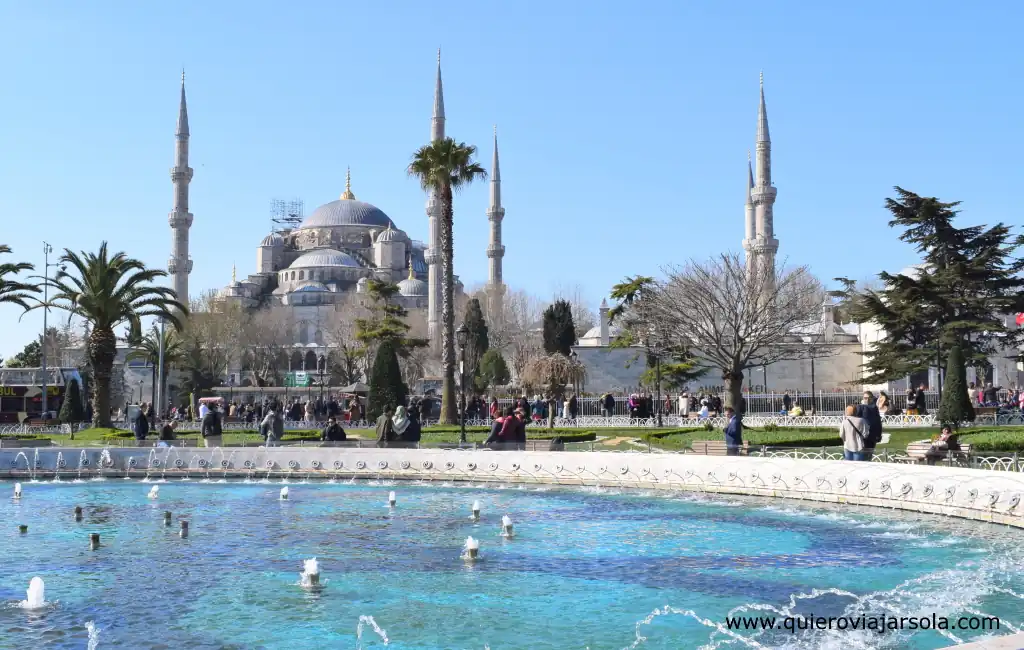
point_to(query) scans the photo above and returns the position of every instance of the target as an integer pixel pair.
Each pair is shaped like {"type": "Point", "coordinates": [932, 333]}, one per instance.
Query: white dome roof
{"type": "Point", "coordinates": [310, 287]}
{"type": "Point", "coordinates": [344, 212]}
{"type": "Point", "coordinates": [273, 239]}
{"type": "Point", "coordinates": [595, 332]}
{"type": "Point", "coordinates": [412, 288]}
{"type": "Point", "coordinates": [392, 234]}
{"type": "Point", "coordinates": [325, 257]}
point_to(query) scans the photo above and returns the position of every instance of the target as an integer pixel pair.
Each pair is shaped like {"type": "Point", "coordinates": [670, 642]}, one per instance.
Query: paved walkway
{"type": "Point", "coordinates": [1009, 642]}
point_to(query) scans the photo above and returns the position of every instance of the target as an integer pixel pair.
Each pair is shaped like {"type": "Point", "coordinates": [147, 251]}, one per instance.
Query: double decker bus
{"type": "Point", "coordinates": [21, 392]}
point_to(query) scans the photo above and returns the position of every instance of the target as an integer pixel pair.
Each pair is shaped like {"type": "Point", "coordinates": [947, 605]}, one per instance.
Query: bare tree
{"type": "Point", "coordinates": [268, 334]}
{"type": "Point", "coordinates": [517, 333]}
{"type": "Point", "coordinates": [348, 354]}
{"type": "Point", "coordinates": [554, 372]}
{"type": "Point", "coordinates": [414, 364]}
{"type": "Point", "coordinates": [734, 318]}
{"type": "Point", "coordinates": [212, 339]}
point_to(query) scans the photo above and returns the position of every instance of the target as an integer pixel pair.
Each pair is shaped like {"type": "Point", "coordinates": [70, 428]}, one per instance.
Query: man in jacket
{"type": "Point", "coordinates": [211, 428]}
{"type": "Point", "coordinates": [333, 431]}
{"type": "Point", "coordinates": [385, 427]}
{"type": "Point", "coordinates": [272, 427]}
{"type": "Point", "coordinates": [140, 425]}
{"type": "Point", "coordinates": [733, 432]}
{"type": "Point", "coordinates": [609, 405]}
{"type": "Point", "coordinates": [867, 410]}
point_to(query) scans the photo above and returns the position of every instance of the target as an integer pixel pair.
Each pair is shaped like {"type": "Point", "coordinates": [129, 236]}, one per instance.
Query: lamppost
{"type": "Point", "coordinates": [47, 249]}
{"type": "Point", "coordinates": [321, 366]}
{"type": "Point", "coordinates": [160, 370]}
{"type": "Point", "coordinates": [575, 386]}
{"type": "Point", "coordinates": [462, 337]}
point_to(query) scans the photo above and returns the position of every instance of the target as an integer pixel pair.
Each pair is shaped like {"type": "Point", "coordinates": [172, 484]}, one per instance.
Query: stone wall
{"type": "Point", "coordinates": [984, 495]}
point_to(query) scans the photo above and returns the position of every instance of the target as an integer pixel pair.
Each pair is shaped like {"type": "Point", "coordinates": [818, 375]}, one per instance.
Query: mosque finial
{"type": "Point", "coordinates": [234, 275]}
{"type": "Point", "coordinates": [183, 76]}
{"type": "Point", "coordinates": [347, 195]}
{"type": "Point", "coordinates": [412, 274]}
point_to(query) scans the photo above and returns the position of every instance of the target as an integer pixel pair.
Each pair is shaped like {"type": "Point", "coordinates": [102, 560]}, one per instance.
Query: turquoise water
{"type": "Point", "coordinates": [598, 569]}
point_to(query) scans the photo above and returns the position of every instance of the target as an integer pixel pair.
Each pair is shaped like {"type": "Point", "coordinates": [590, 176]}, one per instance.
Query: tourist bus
{"type": "Point", "coordinates": [21, 392]}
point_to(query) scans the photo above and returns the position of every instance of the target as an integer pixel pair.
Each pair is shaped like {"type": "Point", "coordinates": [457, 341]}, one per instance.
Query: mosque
{"type": "Point", "coordinates": [335, 251]}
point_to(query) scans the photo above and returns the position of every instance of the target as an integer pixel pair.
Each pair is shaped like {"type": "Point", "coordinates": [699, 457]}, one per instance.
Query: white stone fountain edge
{"type": "Point", "coordinates": [984, 495]}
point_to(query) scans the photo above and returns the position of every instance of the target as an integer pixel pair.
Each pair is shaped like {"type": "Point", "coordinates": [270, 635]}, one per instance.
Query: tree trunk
{"type": "Point", "coordinates": [102, 349]}
{"type": "Point", "coordinates": [734, 394]}
{"type": "Point", "coordinates": [448, 397]}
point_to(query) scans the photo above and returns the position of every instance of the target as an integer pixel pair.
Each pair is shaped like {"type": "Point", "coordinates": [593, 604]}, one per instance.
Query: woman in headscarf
{"type": "Point", "coordinates": [400, 422]}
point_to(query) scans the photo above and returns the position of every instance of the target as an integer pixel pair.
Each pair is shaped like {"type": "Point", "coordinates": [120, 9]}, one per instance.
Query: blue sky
{"type": "Point", "coordinates": [623, 128]}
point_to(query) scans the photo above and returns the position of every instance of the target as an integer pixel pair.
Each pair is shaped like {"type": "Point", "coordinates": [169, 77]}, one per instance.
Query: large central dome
{"type": "Point", "coordinates": [344, 212]}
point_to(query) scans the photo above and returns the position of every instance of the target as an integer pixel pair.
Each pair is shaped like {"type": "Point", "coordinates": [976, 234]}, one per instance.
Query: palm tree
{"type": "Point", "coordinates": [107, 291]}
{"type": "Point", "coordinates": [148, 349]}
{"type": "Point", "coordinates": [444, 167]}
{"type": "Point", "coordinates": [11, 290]}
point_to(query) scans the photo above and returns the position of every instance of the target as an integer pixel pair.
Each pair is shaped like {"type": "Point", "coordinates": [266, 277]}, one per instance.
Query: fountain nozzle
{"type": "Point", "coordinates": [94, 541]}
{"type": "Point", "coordinates": [391, 500]}
{"type": "Point", "coordinates": [167, 517]}
{"type": "Point", "coordinates": [17, 490]}
{"type": "Point", "coordinates": [476, 510]}
{"type": "Point", "coordinates": [472, 548]}
{"type": "Point", "coordinates": [506, 526]}
{"type": "Point", "coordinates": [284, 493]}
{"type": "Point", "coordinates": [78, 513]}
{"type": "Point", "coordinates": [310, 576]}
{"type": "Point", "coordinates": [184, 529]}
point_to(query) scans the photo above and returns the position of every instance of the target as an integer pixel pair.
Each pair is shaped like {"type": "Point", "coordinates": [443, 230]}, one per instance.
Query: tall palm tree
{"type": "Point", "coordinates": [107, 291]}
{"type": "Point", "coordinates": [444, 167]}
{"type": "Point", "coordinates": [148, 349]}
{"type": "Point", "coordinates": [12, 291]}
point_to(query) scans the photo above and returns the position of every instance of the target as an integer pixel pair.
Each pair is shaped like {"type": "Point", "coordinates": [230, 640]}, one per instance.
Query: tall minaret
{"type": "Point", "coordinates": [496, 250]}
{"type": "Point", "coordinates": [180, 264]}
{"type": "Point", "coordinates": [763, 193]}
{"type": "Point", "coordinates": [433, 252]}
{"type": "Point", "coordinates": [750, 229]}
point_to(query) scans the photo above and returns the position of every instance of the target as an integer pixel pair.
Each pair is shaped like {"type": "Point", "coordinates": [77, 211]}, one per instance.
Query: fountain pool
{"type": "Point", "coordinates": [587, 568]}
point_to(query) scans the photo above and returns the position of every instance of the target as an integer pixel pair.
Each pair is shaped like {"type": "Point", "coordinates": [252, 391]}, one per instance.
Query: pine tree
{"type": "Point", "coordinates": [493, 371]}
{"type": "Point", "coordinates": [477, 343]}
{"type": "Point", "coordinates": [386, 385]}
{"type": "Point", "coordinates": [956, 406]}
{"type": "Point", "coordinates": [559, 329]}
{"type": "Point", "coordinates": [71, 410]}
{"type": "Point", "coordinates": [968, 281]}
{"type": "Point", "coordinates": [387, 321]}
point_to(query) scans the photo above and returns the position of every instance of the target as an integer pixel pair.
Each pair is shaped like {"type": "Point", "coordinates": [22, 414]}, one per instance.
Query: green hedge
{"type": "Point", "coordinates": [1006, 440]}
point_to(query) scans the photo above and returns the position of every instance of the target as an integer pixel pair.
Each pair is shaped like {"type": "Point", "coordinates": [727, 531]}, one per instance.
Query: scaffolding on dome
{"type": "Point", "coordinates": [286, 214]}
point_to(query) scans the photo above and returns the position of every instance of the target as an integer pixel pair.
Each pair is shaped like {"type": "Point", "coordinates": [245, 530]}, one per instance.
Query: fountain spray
{"type": "Point", "coordinates": [284, 493]}
{"type": "Point", "coordinates": [310, 576]}
{"type": "Point", "coordinates": [471, 549]}
{"type": "Point", "coordinates": [17, 490]}
{"type": "Point", "coordinates": [506, 526]}
{"type": "Point", "coordinates": [476, 511]}
{"type": "Point", "coordinates": [391, 499]}
{"type": "Point", "coordinates": [35, 596]}
{"type": "Point", "coordinates": [154, 492]}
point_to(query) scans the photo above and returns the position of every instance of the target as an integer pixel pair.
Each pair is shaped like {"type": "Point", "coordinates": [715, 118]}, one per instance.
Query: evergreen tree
{"type": "Point", "coordinates": [956, 406]}
{"type": "Point", "coordinates": [559, 329]}
{"type": "Point", "coordinates": [493, 371]}
{"type": "Point", "coordinates": [72, 410]}
{"type": "Point", "coordinates": [969, 279]}
{"type": "Point", "coordinates": [477, 343]}
{"type": "Point", "coordinates": [31, 356]}
{"type": "Point", "coordinates": [386, 322]}
{"type": "Point", "coordinates": [386, 385]}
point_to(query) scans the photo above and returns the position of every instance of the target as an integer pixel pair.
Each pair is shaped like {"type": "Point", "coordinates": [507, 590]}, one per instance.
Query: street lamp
{"type": "Point", "coordinates": [47, 249]}
{"type": "Point", "coordinates": [575, 387]}
{"type": "Point", "coordinates": [321, 366]}
{"type": "Point", "coordinates": [462, 337]}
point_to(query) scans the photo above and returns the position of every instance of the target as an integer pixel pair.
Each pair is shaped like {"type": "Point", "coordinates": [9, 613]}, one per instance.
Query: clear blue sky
{"type": "Point", "coordinates": [623, 127]}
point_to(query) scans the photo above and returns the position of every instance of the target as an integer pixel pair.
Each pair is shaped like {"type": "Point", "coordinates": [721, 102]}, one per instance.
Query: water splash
{"type": "Point", "coordinates": [310, 576]}
{"type": "Point", "coordinates": [35, 597]}
{"type": "Point", "coordinates": [368, 620]}
{"type": "Point", "coordinates": [94, 635]}
{"type": "Point", "coordinates": [284, 493]}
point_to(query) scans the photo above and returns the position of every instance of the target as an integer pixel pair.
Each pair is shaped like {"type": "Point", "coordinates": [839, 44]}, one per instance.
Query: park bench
{"type": "Point", "coordinates": [986, 410]}
{"type": "Point", "coordinates": [921, 452]}
{"type": "Point", "coordinates": [716, 448]}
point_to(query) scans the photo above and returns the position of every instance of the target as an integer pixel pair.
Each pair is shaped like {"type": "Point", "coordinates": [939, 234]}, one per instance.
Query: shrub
{"type": "Point", "coordinates": [386, 385]}
{"type": "Point", "coordinates": [71, 410]}
{"type": "Point", "coordinates": [955, 406]}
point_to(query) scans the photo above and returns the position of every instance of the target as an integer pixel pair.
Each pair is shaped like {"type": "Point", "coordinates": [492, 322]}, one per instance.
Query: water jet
{"type": "Point", "coordinates": [17, 490]}
{"type": "Point", "coordinates": [476, 511]}
{"type": "Point", "coordinates": [506, 526]}
{"type": "Point", "coordinates": [471, 550]}
{"type": "Point", "coordinates": [310, 576]}
{"type": "Point", "coordinates": [284, 493]}
{"type": "Point", "coordinates": [154, 492]}
{"type": "Point", "coordinates": [391, 499]}
{"type": "Point", "coordinates": [35, 596]}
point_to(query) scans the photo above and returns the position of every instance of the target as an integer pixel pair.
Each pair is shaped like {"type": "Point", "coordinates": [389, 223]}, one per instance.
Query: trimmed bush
{"type": "Point", "coordinates": [72, 410]}
{"type": "Point", "coordinates": [955, 407]}
{"type": "Point", "coordinates": [386, 385]}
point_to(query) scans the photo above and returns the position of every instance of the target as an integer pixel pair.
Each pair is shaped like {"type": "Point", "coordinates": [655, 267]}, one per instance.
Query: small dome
{"type": "Point", "coordinates": [325, 257]}
{"type": "Point", "coordinates": [363, 285]}
{"type": "Point", "coordinates": [392, 235]}
{"type": "Point", "coordinates": [346, 212]}
{"type": "Point", "coordinates": [310, 287]}
{"type": "Point", "coordinates": [595, 332]}
{"type": "Point", "coordinates": [412, 288]}
{"type": "Point", "coordinates": [273, 239]}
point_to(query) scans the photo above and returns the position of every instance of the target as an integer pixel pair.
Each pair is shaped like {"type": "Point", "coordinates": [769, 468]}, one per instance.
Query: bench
{"type": "Point", "coordinates": [921, 452]}
{"type": "Point", "coordinates": [986, 410]}
{"type": "Point", "coordinates": [717, 448]}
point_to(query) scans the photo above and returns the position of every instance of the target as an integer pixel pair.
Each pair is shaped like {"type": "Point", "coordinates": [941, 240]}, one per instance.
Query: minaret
{"type": "Point", "coordinates": [180, 264]}
{"type": "Point", "coordinates": [496, 250]}
{"type": "Point", "coordinates": [433, 253]}
{"type": "Point", "coordinates": [763, 192]}
{"type": "Point", "coordinates": [750, 230]}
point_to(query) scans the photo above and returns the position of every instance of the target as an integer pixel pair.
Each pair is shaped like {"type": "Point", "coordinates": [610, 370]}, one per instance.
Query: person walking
{"type": "Point", "coordinates": [385, 427]}
{"type": "Point", "coordinates": [211, 429]}
{"type": "Point", "coordinates": [272, 426]}
{"type": "Point", "coordinates": [733, 432]}
{"type": "Point", "coordinates": [400, 422]}
{"type": "Point", "coordinates": [853, 431]}
{"type": "Point", "coordinates": [140, 426]}
{"type": "Point", "coordinates": [868, 411]}
{"type": "Point", "coordinates": [609, 405]}
{"type": "Point", "coordinates": [414, 431]}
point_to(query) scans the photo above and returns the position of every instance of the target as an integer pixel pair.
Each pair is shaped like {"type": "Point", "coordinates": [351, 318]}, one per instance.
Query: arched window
{"type": "Point", "coordinates": [295, 361]}
{"type": "Point", "coordinates": [318, 337]}
{"type": "Point", "coordinates": [302, 275]}
{"type": "Point", "coordinates": [310, 361]}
